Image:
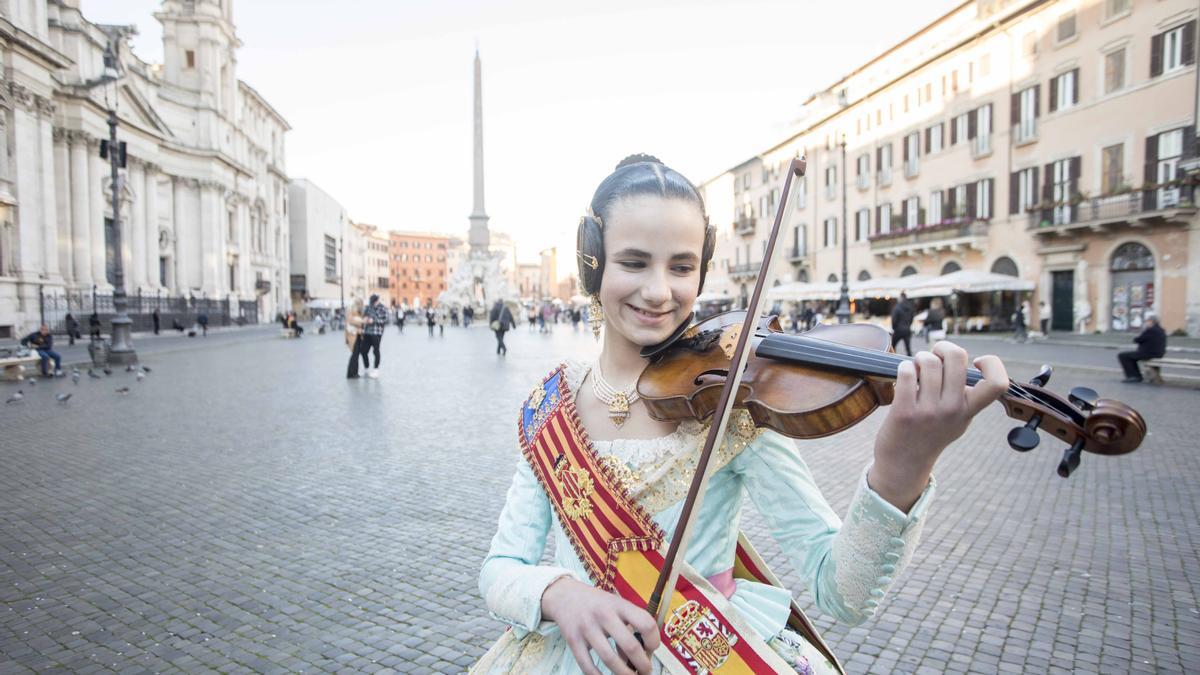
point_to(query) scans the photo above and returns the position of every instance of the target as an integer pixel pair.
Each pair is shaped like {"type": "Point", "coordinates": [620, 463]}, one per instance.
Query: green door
{"type": "Point", "coordinates": [1062, 300]}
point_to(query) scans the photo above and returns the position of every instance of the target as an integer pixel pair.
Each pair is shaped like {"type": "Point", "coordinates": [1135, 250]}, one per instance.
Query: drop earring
{"type": "Point", "coordinates": [595, 316]}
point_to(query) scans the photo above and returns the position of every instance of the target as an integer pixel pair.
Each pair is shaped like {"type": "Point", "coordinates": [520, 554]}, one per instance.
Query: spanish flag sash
{"type": "Point", "coordinates": [619, 545]}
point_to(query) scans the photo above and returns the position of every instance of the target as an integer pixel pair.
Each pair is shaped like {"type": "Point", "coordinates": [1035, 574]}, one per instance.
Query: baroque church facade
{"type": "Point", "coordinates": [203, 195]}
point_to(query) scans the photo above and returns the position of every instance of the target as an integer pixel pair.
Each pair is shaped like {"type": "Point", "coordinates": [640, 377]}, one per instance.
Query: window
{"type": "Point", "coordinates": [1173, 49]}
{"type": "Point", "coordinates": [189, 58]}
{"type": "Point", "coordinates": [1064, 90]}
{"type": "Point", "coordinates": [912, 212]}
{"type": "Point", "coordinates": [1023, 190]}
{"type": "Point", "coordinates": [958, 201]}
{"type": "Point", "coordinates": [961, 129]}
{"type": "Point", "coordinates": [1063, 176]}
{"type": "Point", "coordinates": [802, 194]}
{"type": "Point", "coordinates": [912, 151]}
{"type": "Point", "coordinates": [1025, 113]}
{"type": "Point", "coordinates": [883, 162]}
{"type": "Point", "coordinates": [983, 198]}
{"type": "Point", "coordinates": [746, 181]}
{"type": "Point", "coordinates": [1066, 27]}
{"type": "Point", "coordinates": [1115, 8]}
{"type": "Point", "coordinates": [883, 222]}
{"type": "Point", "coordinates": [935, 208]}
{"type": "Point", "coordinates": [830, 182]}
{"type": "Point", "coordinates": [863, 165]}
{"type": "Point", "coordinates": [1162, 165]}
{"type": "Point", "coordinates": [1112, 168]}
{"type": "Point", "coordinates": [830, 232]}
{"type": "Point", "coordinates": [1114, 71]}
{"type": "Point", "coordinates": [331, 273]}
{"type": "Point", "coordinates": [1029, 44]}
{"type": "Point", "coordinates": [981, 130]}
{"type": "Point", "coordinates": [862, 224]}
{"type": "Point", "coordinates": [933, 138]}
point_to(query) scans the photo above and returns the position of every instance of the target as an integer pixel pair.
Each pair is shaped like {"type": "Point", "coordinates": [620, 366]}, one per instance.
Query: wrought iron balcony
{"type": "Point", "coordinates": [744, 269]}
{"type": "Point", "coordinates": [981, 146]}
{"type": "Point", "coordinates": [1025, 131]}
{"type": "Point", "coordinates": [1171, 205]}
{"type": "Point", "coordinates": [797, 254]}
{"type": "Point", "coordinates": [885, 177]}
{"type": "Point", "coordinates": [262, 285]}
{"type": "Point", "coordinates": [912, 167]}
{"type": "Point", "coordinates": [863, 182]}
{"type": "Point", "coordinates": [745, 225]}
{"type": "Point", "coordinates": [952, 234]}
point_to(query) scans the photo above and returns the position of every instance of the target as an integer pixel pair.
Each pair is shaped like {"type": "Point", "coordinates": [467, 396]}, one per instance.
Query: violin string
{"type": "Point", "coordinates": [850, 356]}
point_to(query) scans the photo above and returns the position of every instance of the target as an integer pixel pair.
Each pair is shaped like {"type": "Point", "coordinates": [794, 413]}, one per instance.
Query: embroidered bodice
{"type": "Point", "coordinates": [846, 566]}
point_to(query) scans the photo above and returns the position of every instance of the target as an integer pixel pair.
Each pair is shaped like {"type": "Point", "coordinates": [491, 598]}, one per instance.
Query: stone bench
{"type": "Point", "coordinates": [1154, 367]}
{"type": "Point", "coordinates": [14, 366]}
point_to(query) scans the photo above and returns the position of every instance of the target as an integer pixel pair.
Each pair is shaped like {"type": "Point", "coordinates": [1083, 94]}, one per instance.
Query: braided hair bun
{"type": "Point", "coordinates": [637, 158]}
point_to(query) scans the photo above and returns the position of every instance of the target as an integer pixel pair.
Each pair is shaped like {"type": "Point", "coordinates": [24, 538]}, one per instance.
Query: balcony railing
{"type": "Point", "coordinates": [885, 177]}
{"type": "Point", "coordinates": [744, 225]}
{"type": "Point", "coordinates": [911, 168]}
{"type": "Point", "coordinates": [948, 233]}
{"type": "Point", "coordinates": [262, 285]}
{"type": "Point", "coordinates": [981, 146]}
{"type": "Point", "coordinates": [831, 191]}
{"type": "Point", "coordinates": [797, 253]}
{"type": "Point", "coordinates": [1167, 204]}
{"type": "Point", "coordinates": [744, 269]}
{"type": "Point", "coordinates": [1025, 131]}
{"type": "Point", "coordinates": [863, 182]}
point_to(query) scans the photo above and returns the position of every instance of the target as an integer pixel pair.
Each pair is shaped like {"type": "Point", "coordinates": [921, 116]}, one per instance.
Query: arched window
{"type": "Point", "coordinates": [803, 276]}
{"type": "Point", "coordinates": [864, 275]}
{"type": "Point", "coordinates": [833, 278]}
{"type": "Point", "coordinates": [1132, 256]}
{"type": "Point", "coordinates": [1005, 265]}
{"type": "Point", "coordinates": [908, 271]}
{"type": "Point", "coordinates": [951, 267]}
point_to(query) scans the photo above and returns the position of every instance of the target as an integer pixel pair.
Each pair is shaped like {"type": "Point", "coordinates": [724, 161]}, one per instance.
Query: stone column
{"type": "Point", "coordinates": [62, 193]}
{"type": "Point", "coordinates": [150, 225]}
{"type": "Point", "coordinates": [28, 217]}
{"type": "Point", "coordinates": [177, 196]}
{"type": "Point", "coordinates": [97, 170]}
{"type": "Point", "coordinates": [81, 235]}
{"type": "Point", "coordinates": [137, 227]}
{"type": "Point", "coordinates": [211, 231]}
{"type": "Point", "coordinates": [50, 220]}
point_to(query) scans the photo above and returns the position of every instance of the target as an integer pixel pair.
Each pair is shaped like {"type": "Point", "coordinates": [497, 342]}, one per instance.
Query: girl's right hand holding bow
{"type": "Point", "coordinates": [588, 617]}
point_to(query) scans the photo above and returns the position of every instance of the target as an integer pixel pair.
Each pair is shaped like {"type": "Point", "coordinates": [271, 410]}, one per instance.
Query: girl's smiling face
{"type": "Point", "coordinates": [652, 262]}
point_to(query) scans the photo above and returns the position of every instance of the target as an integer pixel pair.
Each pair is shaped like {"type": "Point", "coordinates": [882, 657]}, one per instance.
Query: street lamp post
{"type": "Point", "coordinates": [122, 351]}
{"type": "Point", "coordinates": [843, 308]}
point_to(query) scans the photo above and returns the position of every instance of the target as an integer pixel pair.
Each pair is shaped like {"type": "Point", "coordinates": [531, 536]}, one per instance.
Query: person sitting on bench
{"type": "Point", "coordinates": [1152, 344]}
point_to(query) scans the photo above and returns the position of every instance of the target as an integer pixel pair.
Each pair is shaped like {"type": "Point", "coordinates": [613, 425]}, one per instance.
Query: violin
{"type": "Point", "coordinates": [830, 378]}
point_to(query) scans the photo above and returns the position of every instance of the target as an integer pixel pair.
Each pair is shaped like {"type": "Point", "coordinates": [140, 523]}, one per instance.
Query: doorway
{"type": "Point", "coordinates": [1062, 300]}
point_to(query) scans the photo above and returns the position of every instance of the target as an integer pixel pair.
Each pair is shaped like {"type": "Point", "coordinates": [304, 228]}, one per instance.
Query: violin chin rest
{"type": "Point", "coordinates": [652, 352]}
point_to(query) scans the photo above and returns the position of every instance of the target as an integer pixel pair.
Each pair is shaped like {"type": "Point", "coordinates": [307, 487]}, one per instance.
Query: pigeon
{"type": "Point", "coordinates": [123, 390]}
{"type": "Point", "coordinates": [17, 397]}
{"type": "Point", "coordinates": [63, 398]}
{"type": "Point", "coordinates": [107, 370]}
{"type": "Point", "coordinates": [30, 381]}
{"type": "Point", "coordinates": [75, 376]}
{"type": "Point", "coordinates": [92, 373]}
{"type": "Point", "coordinates": [140, 376]}
{"type": "Point", "coordinates": [129, 368]}
{"type": "Point", "coordinates": [146, 368]}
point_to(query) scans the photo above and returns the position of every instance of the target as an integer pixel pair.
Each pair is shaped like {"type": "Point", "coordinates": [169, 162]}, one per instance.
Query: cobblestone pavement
{"type": "Point", "coordinates": [245, 508]}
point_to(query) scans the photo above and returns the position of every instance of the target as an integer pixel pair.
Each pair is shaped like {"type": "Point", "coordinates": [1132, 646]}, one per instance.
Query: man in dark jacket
{"type": "Point", "coordinates": [1152, 344]}
{"type": "Point", "coordinates": [902, 318]}
{"type": "Point", "coordinates": [375, 320]}
{"type": "Point", "coordinates": [43, 342]}
{"type": "Point", "coordinates": [500, 319]}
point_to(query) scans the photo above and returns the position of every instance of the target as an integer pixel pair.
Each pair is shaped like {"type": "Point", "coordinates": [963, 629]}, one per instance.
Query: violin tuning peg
{"type": "Point", "coordinates": [1070, 458]}
{"type": "Point", "coordinates": [1024, 439]}
{"type": "Point", "coordinates": [1043, 376]}
{"type": "Point", "coordinates": [1083, 398]}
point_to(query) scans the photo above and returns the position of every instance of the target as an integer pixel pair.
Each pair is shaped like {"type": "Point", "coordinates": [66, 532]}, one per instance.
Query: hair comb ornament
{"type": "Point", "coordinates": [589, 260]}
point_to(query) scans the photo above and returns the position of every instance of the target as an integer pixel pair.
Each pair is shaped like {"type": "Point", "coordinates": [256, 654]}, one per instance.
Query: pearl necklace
{"type": "Point", "coordinates": [618, 402]}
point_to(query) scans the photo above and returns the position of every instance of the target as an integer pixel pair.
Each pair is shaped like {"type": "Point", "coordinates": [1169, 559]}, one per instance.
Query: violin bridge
{"type": "Point", "coordinates": [729, 340]}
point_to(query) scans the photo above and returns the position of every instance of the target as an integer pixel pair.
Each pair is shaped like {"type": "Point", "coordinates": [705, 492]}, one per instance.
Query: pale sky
{"type": "Point", "coordinates": [378, 93]}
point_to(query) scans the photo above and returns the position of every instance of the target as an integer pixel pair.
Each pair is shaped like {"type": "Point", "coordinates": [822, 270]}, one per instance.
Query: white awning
{"type": "Point", "coordinates": [714, 297]}
{"type": "Point", "coordinates": [968, 281]}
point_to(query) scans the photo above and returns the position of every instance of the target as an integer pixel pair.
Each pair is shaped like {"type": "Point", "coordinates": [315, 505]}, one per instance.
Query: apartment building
{"type": "Point", "coordinates": [1047, 140]}
{"type": "Point", "coordinates": [418, 267]}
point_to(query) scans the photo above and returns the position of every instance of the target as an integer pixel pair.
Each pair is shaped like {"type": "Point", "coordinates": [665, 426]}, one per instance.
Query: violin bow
{"type": "Point", "coordinates": [668, 576]}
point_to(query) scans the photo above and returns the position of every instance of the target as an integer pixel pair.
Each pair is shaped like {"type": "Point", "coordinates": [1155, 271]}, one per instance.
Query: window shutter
{"type": "Point", "coordinates": [1048, 185]}
{"type": "Point", "coordinates": [1014, 114]}
{"type": "Point", "coordinates": [1076, 169]}
{"type": "Point", "coordinates": [991, 120]}
{"type": "Point", "coordinates": [991, 193]}
{"type": "Point", "coordinates": [1189, 141]}
{"type": "Point", "coordinates": [1037, 100]}
{"type": "Point", "coordinates": [1188, 46]}
{"type": "Point", "coordinates": [878, 218]}
{"type": "Point", "coordinates": [1053, 94]}
{"type": "Point", "coordinates": [1151, 175]}
{"type": "Point", "coordinates": [905, 143]}
{"type": "Point", "coordinates": [953, 130]}
{"type": "Point", "coordinates": [951, 203]}
{"type": "Point", "coordinates": [879, 158]}
{"type": "Point", "coordinates": [971, 200]}
{"type": "Point", "coordinates": [928, 133]}
{"type": "Point", "coordinates": [971, 124]}
{"type": "Point", "coordinates": [1035, 177]}
{"type": "Point", "coordinates": [904, 214]}
{"type": "Point", "coordinates": [1075, 86]}
{"type": "Point", "coordinates": [1013, 192]}
{"type": "Point", "coordinates": [1156, 55]}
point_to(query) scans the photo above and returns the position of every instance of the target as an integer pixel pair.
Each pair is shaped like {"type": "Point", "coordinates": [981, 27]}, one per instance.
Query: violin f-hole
{"type": "Point", "coordinates": [703, 378]}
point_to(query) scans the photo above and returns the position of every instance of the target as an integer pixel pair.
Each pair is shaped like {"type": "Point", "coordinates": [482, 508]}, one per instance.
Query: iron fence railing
{"type": "Point", "coordinates": [172, 310]}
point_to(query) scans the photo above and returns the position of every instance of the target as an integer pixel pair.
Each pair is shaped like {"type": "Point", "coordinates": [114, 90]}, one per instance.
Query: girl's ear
{"type": "Point", "coordinates": [589, 250]}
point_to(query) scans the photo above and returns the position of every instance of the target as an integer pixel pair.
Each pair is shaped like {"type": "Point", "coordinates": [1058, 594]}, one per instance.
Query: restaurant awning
{"type": "Point", "coordinates": [968, 281]}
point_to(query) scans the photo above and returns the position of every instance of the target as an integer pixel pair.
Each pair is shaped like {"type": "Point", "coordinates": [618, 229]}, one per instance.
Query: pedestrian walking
{"type": "Point", "coordinates": [375, 321]}
{"type": "Point", "coordinates": [807, 317]}
{"type": "Point", "coordinates": [202, 319]}
{"type": "Point", "coordinates": [1019, 317]}
{"type": "Point", "coordinates": [354, 339]}
{"type": "Point", "coordinates": [94, 325]}
{"type": "Point", "coordinates": [902, 318]}
{"type": "Point", "coordinates": [1044, 317]}
{"type": "Point", "coordinates": [429, 319]}
{"type": "Point", "coordinates": [500, 319]}
{"type": "Point", "coordinates": [72, 328]}
{"type": "Point", "coordinates": [935, 317]}
{"type": "Point", "coordinates": [1151, 344]}
{"type": "Point", "coordinates": [571, 616]}
{"type": "Point", "coordinates": [42, 342]}
{"type": "Point", "coordinates": [156, 319]}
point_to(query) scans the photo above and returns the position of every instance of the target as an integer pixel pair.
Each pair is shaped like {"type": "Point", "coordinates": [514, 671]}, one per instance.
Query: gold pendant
{"type": "Point", "coordinates": [618, 410]}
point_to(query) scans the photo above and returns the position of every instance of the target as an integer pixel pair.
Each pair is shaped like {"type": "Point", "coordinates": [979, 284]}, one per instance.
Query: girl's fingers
{"type": "Point", "coordinates": [905, 398]}
{"type": "Point", "coordinates": [643, 623]}
{"type": "Point", "coordinates": [954, 372]}
{"type": "Point", "coordinates": [598, 642]}
{"type": "Point", "coordinates": [583, 657]}
{"type": "Point", "coordinates": [632, 650]}
{"type": "Point", "coordinates": [929, 379]}
{"type": "Point", "coordinates": [993, 384]}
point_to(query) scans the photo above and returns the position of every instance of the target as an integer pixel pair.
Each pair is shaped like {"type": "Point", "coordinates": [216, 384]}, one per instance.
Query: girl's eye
{"type": "Point", "coordinates": [685, 269]}
{"type": "Point", "coordinates": [632, 264]}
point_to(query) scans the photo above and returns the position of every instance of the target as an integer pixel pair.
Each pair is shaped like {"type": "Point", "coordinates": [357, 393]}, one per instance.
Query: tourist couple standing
{"type": "Point", "coordinates": [364, 333]}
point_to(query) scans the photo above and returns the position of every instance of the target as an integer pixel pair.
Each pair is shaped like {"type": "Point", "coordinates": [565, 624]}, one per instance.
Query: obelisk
{"type": "Point", "coordinates": [479, 237]}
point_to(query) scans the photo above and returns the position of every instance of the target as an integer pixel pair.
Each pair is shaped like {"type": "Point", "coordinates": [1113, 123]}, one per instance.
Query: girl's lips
{"type": "Point", "coordinates": [647, 316]}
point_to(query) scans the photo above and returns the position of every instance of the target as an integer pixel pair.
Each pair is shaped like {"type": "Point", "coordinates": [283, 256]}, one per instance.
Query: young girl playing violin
{"type": "Point", "coordinates": [608, 480]}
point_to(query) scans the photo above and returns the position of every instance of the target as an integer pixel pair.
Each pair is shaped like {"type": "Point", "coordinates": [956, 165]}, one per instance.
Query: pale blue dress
{"type": "Point", "coordinates": [848, 567]}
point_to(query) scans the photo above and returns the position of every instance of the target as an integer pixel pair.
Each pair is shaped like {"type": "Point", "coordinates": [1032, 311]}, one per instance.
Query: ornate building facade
{"type": "Point", "coordinates": [1083, 191]}
{"type": "Point", "coordinates": [203, 194]}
